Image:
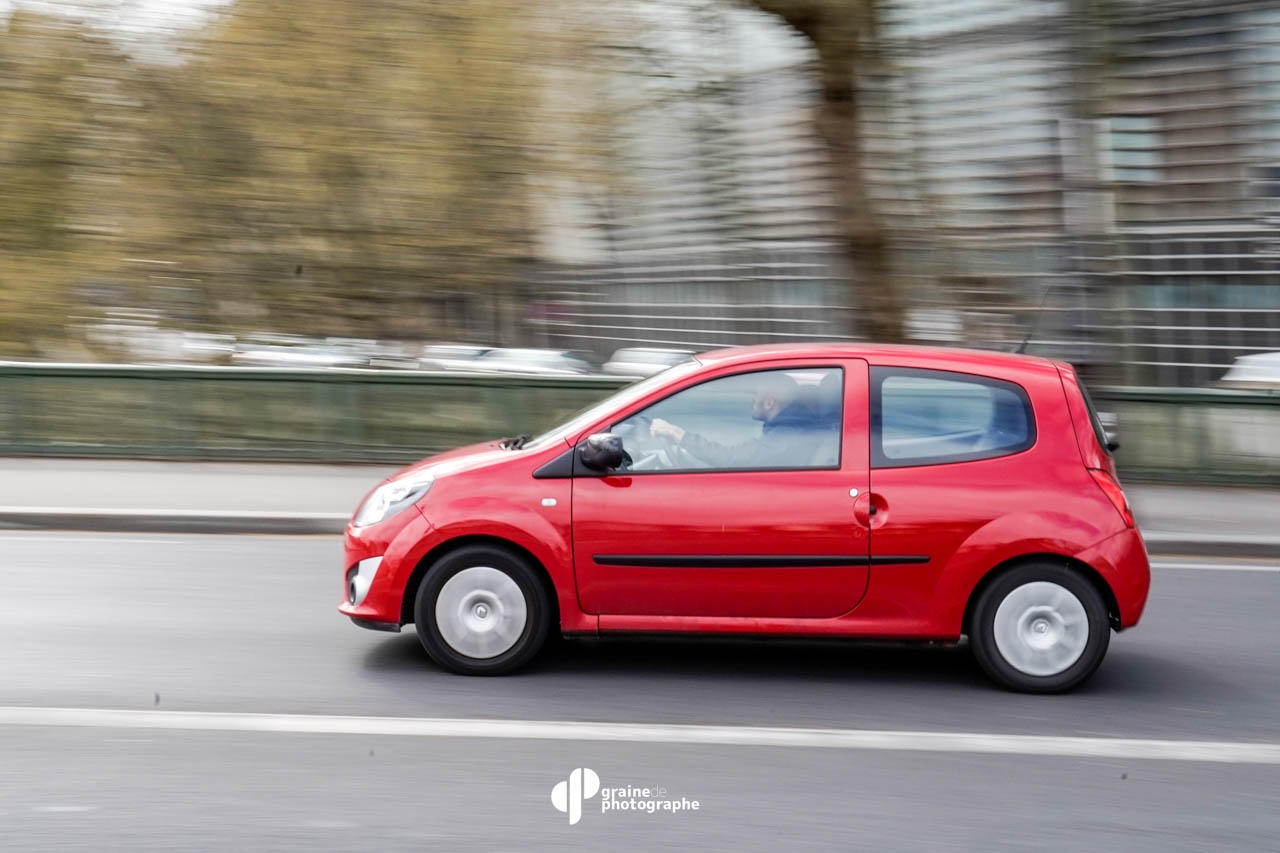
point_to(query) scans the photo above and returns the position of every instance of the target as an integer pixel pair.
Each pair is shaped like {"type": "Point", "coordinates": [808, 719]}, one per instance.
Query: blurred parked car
{"type": "Point", "coordinates": [644, 361]}
{"type": "Point", "coordinates": [204, 346]}
{"type": "Point", "coordinates": [139, 337]}
{"type": "Point", "coordinates": [373, 353]}
{"type": "Point", "coordinates": [1260, 371]}
{"type": "Point", "coordinates": [1247, 431]}
{"type": "Point", "coordinates": [450, 356]}
{"type": "Point", "coordinates": [297, 352]}
{"type": "Point", "coordinates": [544, 362]}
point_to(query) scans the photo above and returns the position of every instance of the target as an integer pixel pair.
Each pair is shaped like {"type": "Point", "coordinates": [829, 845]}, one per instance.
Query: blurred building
{"type": "Point", "coordinates": [1112, 168]}
{"type": "Point", "coordinates": [719, 231]}
{"type": "Point", "coordinates": [1123, 152]}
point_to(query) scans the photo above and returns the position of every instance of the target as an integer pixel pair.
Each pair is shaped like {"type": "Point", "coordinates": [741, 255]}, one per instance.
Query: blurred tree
{"type": "Point", "coordinates": [843, 33]}
{"type": "Point", "coordinates": [56, 98]}
{"type": "Point", "coordinates": [324, 169]}
{"type": "Point", "coordinates": [334, 165]}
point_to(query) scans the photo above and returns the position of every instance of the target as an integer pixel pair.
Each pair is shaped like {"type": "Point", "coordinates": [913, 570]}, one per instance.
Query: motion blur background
{"type": "Point", "coordinates": [342, 185]}
{"type": "Point", "coordinates": [360, 231]}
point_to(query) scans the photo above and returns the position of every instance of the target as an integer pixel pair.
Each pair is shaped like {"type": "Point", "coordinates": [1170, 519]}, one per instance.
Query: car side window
{"type": "Point", "coordinates": [765, 420]}
{"type": "Point", "coordinates": [933, 417]}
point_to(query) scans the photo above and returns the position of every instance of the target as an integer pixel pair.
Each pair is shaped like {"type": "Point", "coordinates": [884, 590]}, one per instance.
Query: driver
{"type": "Point", "coordinates": [787, 431]}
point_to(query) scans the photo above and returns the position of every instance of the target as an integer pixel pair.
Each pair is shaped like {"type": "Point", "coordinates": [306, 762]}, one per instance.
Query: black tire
{"type": "Point", "coordinates": [536, 601]}
{"type": "Point", "coordinates": [986, 647]}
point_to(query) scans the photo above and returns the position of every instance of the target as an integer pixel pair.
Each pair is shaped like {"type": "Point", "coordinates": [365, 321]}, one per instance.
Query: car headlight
{"type": "Point", "coordinates": [390, 498]}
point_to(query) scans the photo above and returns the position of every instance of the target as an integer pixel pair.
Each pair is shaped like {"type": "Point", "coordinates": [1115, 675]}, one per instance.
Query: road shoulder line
{"type": "Point", "coordinates": [1224, 752]}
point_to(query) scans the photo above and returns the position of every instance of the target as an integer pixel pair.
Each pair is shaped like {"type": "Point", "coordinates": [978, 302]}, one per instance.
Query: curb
{"type": "Point", "coordinates": [171, 521]}
{"type": "Point", "coordinates": [1211, 545]}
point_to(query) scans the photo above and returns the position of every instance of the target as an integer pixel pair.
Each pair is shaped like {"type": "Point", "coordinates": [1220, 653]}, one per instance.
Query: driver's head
{"type": "Point", "coordinates": [774, 392]}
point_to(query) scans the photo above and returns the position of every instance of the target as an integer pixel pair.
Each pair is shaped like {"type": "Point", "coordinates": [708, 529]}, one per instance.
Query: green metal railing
{"type": "Point", "coordinates": [285, 415]}
{"type": "Point", "coordinates": [1196, 435]}
{"type": "Point", "coordinates": [211, 413]}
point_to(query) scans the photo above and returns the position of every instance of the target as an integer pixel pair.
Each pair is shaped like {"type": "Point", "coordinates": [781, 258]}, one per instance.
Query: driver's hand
{"type": "Point", "coordinates": [665, 429]}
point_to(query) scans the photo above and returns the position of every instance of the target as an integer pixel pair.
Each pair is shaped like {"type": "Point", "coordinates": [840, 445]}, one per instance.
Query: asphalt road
{"type": "Point", "coordinates": [245, 624]}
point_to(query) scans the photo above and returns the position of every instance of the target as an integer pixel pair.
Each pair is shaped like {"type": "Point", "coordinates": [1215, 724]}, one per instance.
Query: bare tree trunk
{"type": "Point", "coordinates": [840, 31]}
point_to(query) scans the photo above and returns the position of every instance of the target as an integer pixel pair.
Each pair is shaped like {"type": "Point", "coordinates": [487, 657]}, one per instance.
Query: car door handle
{"type": "Point", "coordinates": [871, 510]}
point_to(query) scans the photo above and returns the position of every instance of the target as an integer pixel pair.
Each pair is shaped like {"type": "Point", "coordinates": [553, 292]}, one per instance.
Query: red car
{"type": "Point", "coordinates": [810, 490]}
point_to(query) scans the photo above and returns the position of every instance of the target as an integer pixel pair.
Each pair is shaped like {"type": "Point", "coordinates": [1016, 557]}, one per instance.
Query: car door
{"type": "Point", "coordinates": [941, 448]}
{"type": "Point", "coordinates": [763, 528]}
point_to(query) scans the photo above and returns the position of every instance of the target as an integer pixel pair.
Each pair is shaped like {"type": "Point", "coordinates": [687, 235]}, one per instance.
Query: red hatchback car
{"type": "Point", "coordinates": [835, 490]}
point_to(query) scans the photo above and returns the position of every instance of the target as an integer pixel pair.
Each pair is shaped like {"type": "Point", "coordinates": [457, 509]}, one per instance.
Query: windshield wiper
{"type": "Point", "coordinates": [513, 443]}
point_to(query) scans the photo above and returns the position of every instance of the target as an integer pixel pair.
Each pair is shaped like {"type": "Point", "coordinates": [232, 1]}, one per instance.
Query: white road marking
{"type": "Point", "coordinates": [1227, 752]}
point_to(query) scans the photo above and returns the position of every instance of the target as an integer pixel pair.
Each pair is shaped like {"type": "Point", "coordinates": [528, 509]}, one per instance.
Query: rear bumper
{"type": "Point", "coordinates": [1122, 562]}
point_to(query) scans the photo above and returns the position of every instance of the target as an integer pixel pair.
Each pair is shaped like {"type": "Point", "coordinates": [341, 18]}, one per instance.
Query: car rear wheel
{"type": "Point", "coordinates": [1040, 628]}
{"type": "Point", "coordinates": [482, 611]}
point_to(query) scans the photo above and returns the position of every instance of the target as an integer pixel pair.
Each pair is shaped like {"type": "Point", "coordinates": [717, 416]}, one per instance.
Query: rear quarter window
{"type": "Point", "coordinates": [1099, 431]}
{"type": "Point", "coordinates": [934, 417]}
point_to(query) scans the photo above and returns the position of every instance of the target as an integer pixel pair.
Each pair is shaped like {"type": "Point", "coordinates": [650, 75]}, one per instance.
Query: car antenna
{"type": "Point", "coordinates": [1035, 321]}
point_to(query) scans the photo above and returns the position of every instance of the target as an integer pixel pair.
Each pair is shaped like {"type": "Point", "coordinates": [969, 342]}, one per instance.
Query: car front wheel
{"type": "Point", "coordinates": [482, 611]}
{"type": "Point", "coordinates": [1040, 628]}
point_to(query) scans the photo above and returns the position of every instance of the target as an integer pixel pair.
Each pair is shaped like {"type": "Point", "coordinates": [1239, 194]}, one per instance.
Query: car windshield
{"type": "Point", "coordinates": [620, 399]}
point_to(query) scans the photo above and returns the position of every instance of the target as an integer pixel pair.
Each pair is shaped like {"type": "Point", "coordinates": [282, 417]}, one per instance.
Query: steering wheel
{"type": "Point", "coordinates": [680, 455]}
{"type": "Point", "coordinates": [650, 453]}
{"type": "Point", "coordinates": [643, 427]}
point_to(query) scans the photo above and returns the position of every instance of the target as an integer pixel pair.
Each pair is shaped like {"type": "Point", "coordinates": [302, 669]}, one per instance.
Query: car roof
{"type": "Point", "coordinates": [942, 356]}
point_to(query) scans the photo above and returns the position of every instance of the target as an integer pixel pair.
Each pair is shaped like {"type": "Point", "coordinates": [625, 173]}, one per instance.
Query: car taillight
{"type": "Point", "coordinates": [1113, 491]}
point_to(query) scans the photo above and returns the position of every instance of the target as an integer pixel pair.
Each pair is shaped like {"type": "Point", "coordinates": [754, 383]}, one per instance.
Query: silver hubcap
{"type": "Point", "coordinates": [1041, 628]}
{"type": "Point", "coordinates": [480, 612]}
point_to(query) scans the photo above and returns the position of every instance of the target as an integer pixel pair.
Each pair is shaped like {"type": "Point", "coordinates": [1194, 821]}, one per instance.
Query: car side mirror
{"type": "Point", "coordinates": [602, 452]}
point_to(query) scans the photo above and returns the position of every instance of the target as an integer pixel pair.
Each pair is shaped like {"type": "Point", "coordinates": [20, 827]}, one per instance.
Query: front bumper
{"type": "Point", "coordinates": [378, 562]}
{"type": "Point", "coordinates": [393, 627]}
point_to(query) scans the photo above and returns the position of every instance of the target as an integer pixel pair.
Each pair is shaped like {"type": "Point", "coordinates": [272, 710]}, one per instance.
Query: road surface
{"type": "Point", "coordinates": [141, 636]}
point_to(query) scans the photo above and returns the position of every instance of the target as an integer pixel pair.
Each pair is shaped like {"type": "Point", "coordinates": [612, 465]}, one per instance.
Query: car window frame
{"type": "Point", "coordinates": [876, 376]}
{"type": "Point", "coordinates": [1099, 431]}
{"type": "Point", "coordinates": [614, 420]}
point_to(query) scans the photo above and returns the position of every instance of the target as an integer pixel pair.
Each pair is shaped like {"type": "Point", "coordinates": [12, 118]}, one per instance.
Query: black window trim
{"type": "Point", "coordinates": [581, 471]}
{"type": "Point", "coordinates": [879, 373]}
{"type": "Point", "coordinates": [1099, 431]}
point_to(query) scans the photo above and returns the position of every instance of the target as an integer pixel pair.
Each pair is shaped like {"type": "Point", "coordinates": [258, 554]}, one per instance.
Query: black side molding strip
{"type": "Point", "coordinates": [749, 561]}
{"type": "Point", "coordinates": [899, 559]}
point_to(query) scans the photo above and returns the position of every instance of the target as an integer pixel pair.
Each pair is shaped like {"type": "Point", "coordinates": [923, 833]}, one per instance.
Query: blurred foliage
{"type": "Point", "coordinates": [295, 172]}
{"type": "Point", "coordinates": [318, 167]}
{"type": "Point", "coordinates": [56, 102]}
{"type": "Point", "coordinates": [332, 163]}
